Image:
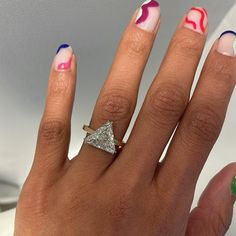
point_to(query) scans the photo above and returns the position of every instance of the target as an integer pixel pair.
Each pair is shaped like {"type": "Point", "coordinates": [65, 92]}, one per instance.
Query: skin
{"type": "Point", "coordinates": [129, 194]}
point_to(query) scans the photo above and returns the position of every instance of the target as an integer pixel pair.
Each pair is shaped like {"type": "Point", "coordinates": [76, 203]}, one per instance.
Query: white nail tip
{"type": "Point", "coordinates": [148, 15]}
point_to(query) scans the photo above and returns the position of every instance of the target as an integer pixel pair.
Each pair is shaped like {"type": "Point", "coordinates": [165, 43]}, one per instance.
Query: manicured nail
{"type": "Point", "coordinates": [148, 15]}
{"type": "Point", "coordinates": [233, 186]}
{"type": "Point", "coordinates": [227, 43]}
{"type": "Point", "coordinates": [63, 58]}
{"type": "Point", "coordinates": [196, 20]}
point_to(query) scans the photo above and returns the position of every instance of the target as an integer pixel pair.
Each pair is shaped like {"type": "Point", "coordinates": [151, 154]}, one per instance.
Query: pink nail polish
{"type": "Point", "coordinates": [227, 43]}
{"type": "Point", "coordinates": [196, 20]}
{"type": "Point", "coordinates": [63, 58]}
{"type": "Point", "coordinates": [148, 15]}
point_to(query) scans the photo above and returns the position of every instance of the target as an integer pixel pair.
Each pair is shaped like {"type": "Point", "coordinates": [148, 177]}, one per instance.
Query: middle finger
{"type": "Point", "coordinates": [167, 97]}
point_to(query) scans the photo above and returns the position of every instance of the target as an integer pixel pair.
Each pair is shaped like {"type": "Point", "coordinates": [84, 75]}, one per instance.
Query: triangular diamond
{"type": "Point", "coordinates": [103, 138]}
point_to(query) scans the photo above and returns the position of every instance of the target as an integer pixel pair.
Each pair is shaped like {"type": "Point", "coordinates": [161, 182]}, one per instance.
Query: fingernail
{"type": "Point", "coordinates": [148, 16]}
{"type": "Point", "coordinates": [233, 186]}
{"type": "Point", "coordinates": [196, 20]}
{"type": "Point", "coordinates": [63, 58]}
{"type": "Point", "coordinates": [227, 43]}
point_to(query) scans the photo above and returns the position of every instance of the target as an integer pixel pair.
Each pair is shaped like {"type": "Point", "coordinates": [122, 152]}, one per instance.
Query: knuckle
{"type": "Point", "coordinates": [204, 124]}
{"type": "Point", "coordinates": [135, 45]}
{"type": "Point", "coordinates": [52, 131]}
{"type": "Point", "coordinates": [115, 106]}
{"type": "Point", "coordinates": [165, 104]}
{"type": "Point", "coordinates": [189, 46]}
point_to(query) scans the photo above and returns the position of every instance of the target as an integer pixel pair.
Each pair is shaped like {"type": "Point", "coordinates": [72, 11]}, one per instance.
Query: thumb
{"type": "Point", "coordinates": [214, 212]}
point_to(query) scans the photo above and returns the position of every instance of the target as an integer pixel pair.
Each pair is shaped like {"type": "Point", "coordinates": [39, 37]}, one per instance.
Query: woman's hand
{"type": "Point", "coordinates": [129, 193]}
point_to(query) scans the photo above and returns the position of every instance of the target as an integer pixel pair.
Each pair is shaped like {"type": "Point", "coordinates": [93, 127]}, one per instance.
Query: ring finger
{"type": "Point", "coordinates": [118, 96]}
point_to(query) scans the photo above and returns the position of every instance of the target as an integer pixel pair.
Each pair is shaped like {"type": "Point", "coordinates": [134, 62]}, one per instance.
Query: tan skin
{"type": "Point", "coordinates": [129, 194]}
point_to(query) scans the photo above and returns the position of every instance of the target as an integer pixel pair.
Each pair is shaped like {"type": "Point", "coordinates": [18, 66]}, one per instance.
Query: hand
{"type": "Point", "coordinates": [129, 193]}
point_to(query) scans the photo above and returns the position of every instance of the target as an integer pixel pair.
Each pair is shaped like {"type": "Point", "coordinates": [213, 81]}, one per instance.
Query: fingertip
{"type": "Point", "coordinates": [227, 43]}
{"type": "Point", "coordinates": [63, 58]}
{"type": "Point", "coordinates": [222, 185]}
{"type": "Point", "coordinates": [231, 168]}
{"type": "Point", "coordinates": [215, 207]}
{"type": "Point", "coordinates": [147, 17]}
{"type": "Point", "coordinates": [192, 23]}
{"type": "Point", "coordinates": [196, 20]}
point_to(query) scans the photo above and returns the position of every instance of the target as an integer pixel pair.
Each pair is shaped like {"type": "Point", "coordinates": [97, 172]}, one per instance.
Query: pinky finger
{"type": "Point", "coordinates": [54, 132]}
{"type": "Point", "coordinates": [214, 212]}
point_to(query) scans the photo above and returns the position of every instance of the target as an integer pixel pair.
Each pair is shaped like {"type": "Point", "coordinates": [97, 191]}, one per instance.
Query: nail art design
{"type": "Point", "coordinates": [196, 19]}
{"type": "Point", "coordinates": [227, 32]}
{"type": "Point", "coordinates": [64, 65]}
{"type": "Point", "coordinates": [62, 46]}
{"type": "Point", "coordinates": [144, 11]}
{"type": "Point", "coordinates": [64, 57]}
{"type": "Point", "coordinates": [233, 186]}
{"type": "Point", "coordinates": [148, 15]}
{"type": "Point", "coordinates": [227, 43]}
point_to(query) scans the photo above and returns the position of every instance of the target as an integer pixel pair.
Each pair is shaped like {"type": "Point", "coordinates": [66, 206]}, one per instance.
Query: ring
{"type": "Point", "coordinates": [103, 138]}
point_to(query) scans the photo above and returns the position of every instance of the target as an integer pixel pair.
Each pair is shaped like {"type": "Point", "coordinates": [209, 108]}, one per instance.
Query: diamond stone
{"type": "Point", "coordinates": [103, 138]}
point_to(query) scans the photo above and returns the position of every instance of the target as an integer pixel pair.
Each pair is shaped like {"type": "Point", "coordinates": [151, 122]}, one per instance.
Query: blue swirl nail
{"type": "Point", "coordinates": [227, 43]}
{"type": "Point", "coordinates": [62, 46]}
{"type": "Point", "coordinates": [228, 32]}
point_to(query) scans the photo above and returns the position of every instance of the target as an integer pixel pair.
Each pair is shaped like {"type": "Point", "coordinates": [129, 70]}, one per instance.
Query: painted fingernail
{"type": "Point", "coordinates": [63, 58]}
{"type": "Point", "coordinates": [196, 20]}
{"type": "Point", "coordinates": [227, 43]}
{"type": "Point", "coordinates": [233, 186]}
{"type": "Point", "coordinates": [148, 15]}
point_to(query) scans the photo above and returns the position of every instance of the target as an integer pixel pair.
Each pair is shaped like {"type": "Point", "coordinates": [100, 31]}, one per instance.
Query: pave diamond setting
{"type": "Point", "coordinates": [103, 138]}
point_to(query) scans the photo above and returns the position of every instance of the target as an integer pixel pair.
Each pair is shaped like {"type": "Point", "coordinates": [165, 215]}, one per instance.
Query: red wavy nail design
{"type": "Point", "coordinates": [199, 24]}
{"type": "Point", "coordinates": [144, 10]}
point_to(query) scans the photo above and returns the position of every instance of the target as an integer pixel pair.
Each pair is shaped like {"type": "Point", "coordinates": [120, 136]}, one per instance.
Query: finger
{"type": "Point", "coordinates": [54, 132]}
{"type": "Point", "coordinates": [200, 125]}
{"type": "Point", "coordinates": [118, 96]}
{"type": "Point", "coordinates": [213, 214]}
{"type": "Point", "coordinates": [167, 97]}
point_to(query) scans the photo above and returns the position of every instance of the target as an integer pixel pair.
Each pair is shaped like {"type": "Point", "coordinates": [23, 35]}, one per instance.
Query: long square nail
{"type": "Point", "coordinates": [196, 20]}
{"type": "Point", "coordinates": [148, 16]}
{"type": "Point", "coordinates": [63, 58]}
{"type": "Point", "coordinates": [227, 43]}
